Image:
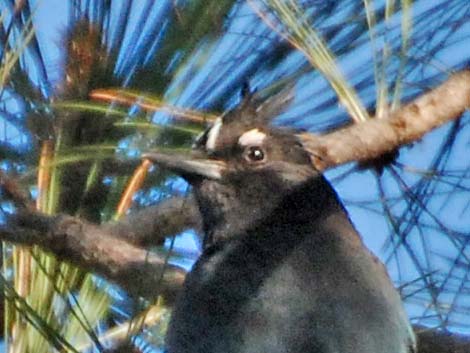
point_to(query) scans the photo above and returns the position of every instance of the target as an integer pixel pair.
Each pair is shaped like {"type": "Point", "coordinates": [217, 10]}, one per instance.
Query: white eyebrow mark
{"type": "Point", "coordinates": [213, 134]}
{"type": "Point", "coordinates": [252, 137]}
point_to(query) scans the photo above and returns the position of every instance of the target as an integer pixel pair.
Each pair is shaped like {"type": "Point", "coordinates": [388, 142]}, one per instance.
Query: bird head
{"type": "Point", "coordinates": [241, 168]}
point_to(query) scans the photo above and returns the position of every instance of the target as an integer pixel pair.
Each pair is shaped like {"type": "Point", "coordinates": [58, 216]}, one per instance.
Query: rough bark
{"type": "Point", "coordinates": [151, 225]}
{"type": "Point", "coordinates": [376, 137]}
{"type": "Point", "coordinates": [96, 249]}
{"type": "Point", "coordinates": [437, 341]}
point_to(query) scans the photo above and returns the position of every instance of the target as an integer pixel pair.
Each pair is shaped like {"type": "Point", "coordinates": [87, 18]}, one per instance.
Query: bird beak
{"type": "Point", "coordinates": [188, 167]}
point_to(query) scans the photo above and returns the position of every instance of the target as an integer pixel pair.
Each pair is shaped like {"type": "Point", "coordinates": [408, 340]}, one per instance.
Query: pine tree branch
{"type": "Point", "coordinates": [153, 224]}
{"type": "Point", "coordinates": [369, 140]}
{"type": "Point", "coordinates": [93, 248]}
{"type": "Point", "coordinates": [438, 341]}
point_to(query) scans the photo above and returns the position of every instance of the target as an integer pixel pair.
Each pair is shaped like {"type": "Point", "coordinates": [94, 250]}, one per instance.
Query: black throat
{"type": "Point", "coordinates": [229, 213]}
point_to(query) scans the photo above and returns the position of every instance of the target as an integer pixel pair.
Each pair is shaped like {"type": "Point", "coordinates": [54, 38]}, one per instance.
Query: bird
{"type": "Point", "coordinates": [282, 267]}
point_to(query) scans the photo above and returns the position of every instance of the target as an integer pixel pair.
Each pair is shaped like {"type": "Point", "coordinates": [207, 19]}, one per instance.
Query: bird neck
{"type": "Point", "coordinates": [308, 205]}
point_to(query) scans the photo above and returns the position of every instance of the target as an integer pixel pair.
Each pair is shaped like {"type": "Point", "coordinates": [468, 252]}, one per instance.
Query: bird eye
{"type": "Point", "coordinates": [254, 154]}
